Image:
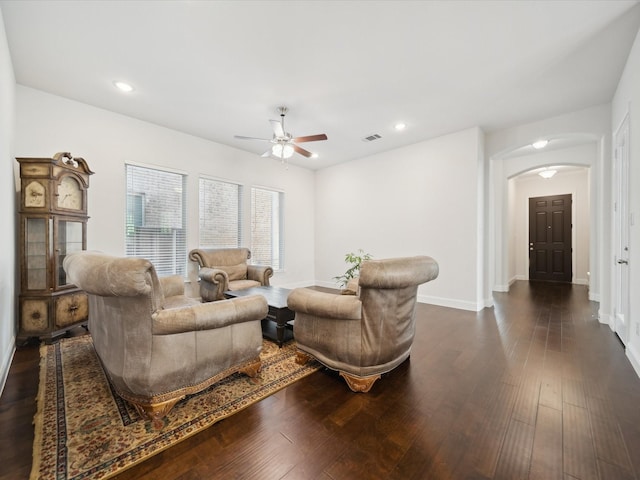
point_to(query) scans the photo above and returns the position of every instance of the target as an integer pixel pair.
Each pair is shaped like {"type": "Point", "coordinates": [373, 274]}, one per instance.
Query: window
{"type": "Point", "coordinates": [156, 218]}
{"type": "Point", "coordinates": [267, 227]}
{"type": "Point", "coordinates": [220, 214]}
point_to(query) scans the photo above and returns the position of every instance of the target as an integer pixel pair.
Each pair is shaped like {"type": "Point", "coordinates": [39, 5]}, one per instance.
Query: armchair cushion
{"type": "Point", "coordinates": [235, 272]}
{"type": "Point", "coordinates": [172, 286]}
{"type": "Point", "coordinates": [242, 284]}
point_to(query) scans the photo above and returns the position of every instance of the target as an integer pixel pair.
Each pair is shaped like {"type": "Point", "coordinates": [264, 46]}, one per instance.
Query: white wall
{"type": "Point", "coordinates": [7, 212]}
{"type": "Point", "coordinates": [627, 99]}
{"type": "Point", "coordinates": [46, 124]}
{"type": "Point", "coordinates": [422, 199]}
{"type": "Point", "coordinates": [573, 182]}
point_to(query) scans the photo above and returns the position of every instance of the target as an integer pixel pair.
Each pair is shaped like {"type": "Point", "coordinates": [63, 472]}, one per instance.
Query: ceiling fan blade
{"type": "Point", "coordinates": [241, 137]}
{"type": "Point", "coordinates": [278, 131]}
{"type": "Point", "coordinates": [310, 138]}
{"type": "Point", "coordinates": [302, 151]}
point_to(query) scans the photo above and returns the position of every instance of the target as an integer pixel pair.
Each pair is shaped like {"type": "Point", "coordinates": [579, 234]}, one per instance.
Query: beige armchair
{"type": "Point", "coordinates": [367, 334]}
{"type": "Point", "coordinates": [156, 345]}
{"type": "Point", "coordinates": [223, 269]}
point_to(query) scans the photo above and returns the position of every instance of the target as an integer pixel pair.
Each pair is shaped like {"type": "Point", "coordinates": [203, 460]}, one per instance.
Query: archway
{"type": "Point", "coordinates": [578, 151]}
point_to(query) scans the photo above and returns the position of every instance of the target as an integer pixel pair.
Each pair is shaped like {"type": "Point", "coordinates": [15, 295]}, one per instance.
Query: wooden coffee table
{"type": "Point", "coordinates": [279, 313]}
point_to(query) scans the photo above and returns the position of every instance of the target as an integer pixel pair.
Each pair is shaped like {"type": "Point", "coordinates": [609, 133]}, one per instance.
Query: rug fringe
{"type": "Point", "coordinates": [38, 417]}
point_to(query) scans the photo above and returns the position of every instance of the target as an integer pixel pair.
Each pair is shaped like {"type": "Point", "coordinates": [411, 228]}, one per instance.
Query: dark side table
{"type": "Point", "coordinates": [279, 314]}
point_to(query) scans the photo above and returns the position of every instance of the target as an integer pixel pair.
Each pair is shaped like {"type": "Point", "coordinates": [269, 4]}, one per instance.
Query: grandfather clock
{"type": "Point", "coordinates": [53, 223]}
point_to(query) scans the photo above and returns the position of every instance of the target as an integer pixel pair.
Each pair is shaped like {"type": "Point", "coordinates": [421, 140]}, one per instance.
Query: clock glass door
{"type": "Point", "coordinates": [35, 253]}
{"type": "Point", "coordinates": [70, 238]}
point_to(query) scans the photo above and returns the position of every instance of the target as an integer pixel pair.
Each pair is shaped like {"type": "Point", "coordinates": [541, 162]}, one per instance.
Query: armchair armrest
{"type": "Point", "coordinates": [352, 287]}
{"type": "Point", "coordinates": [197, 256]}
{"type": "Point", "coordinates": [213, 283]}
{"type": "Point", "coordinates": [327, 305]}
{"type": "Point", "coordinates": [259, 273]}
{"type": "Point", "coordinates": [214, 275]}
{"type": "Point", "coordinates": [207, 316]}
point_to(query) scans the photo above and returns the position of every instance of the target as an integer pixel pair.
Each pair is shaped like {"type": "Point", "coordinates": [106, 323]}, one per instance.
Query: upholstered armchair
{"type": "Point", "coordinates": [366, 334]}
{"type": "Point", "coordinates": [157, 345]}
{"type": "Point", "coordinates": [223, 269]}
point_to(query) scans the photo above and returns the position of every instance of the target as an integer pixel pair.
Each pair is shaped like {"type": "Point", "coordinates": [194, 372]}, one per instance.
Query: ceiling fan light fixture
{"type": "Point", "coordinates": [283, 144]}
{"type": "Point", "coordinates": [282, 150]}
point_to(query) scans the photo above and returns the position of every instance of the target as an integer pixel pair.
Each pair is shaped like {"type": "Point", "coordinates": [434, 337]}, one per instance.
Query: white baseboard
{"type": "Point", "coordinates": [634, 357]}
{"type": "Point", "coordinates": [6, 364]}
{"type": "Point", "coordinates": [450, 302]}
{"type": "Point", "coordinates": [505, 288]}
{"type": "Point", "coordinates": [581, 281]}
{"type": "Point", "coordinates": [605, 319]}
{"type": "Point", "coordinates": [487, 303]}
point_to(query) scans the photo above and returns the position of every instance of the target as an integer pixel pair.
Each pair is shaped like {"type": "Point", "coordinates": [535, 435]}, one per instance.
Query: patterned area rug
{"type": "Point", "coordinates": [83, 430]}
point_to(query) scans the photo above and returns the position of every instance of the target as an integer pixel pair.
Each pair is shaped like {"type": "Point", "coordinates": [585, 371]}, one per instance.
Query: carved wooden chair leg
{"type": "Point", "coordinates": [302, 358]}
{"type": "Point", "coordinates": [156, 412]}
{"type": "Point", "coordinates": [252, 369]}
{"type": "Point", "coordinates": [359, 384]}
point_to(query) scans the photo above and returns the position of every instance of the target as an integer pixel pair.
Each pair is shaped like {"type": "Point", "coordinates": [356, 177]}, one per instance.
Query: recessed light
{"type": "Point", "coordinates": [540, 144]}
{"type": "Point", "coordinates": [314, 155]}
{"type": "Point", "coordinates": [400, 126]}
{"type": "Point", "coordinates": [123, 86]}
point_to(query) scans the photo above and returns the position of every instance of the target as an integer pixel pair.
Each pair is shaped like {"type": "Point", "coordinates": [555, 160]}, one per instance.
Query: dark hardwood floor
{"type": "Point", "coordinates": [534, 388]}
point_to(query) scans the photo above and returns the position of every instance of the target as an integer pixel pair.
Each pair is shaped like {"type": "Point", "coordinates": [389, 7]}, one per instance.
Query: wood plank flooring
{"type": "Point", "coordinates": [533, 388]}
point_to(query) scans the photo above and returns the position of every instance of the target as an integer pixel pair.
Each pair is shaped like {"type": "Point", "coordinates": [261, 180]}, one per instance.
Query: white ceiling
{"type": "Point", "coordinates": [215, 69]}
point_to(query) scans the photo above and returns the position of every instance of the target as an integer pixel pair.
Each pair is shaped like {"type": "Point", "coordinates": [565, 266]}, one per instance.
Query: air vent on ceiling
{"type": "Point", "coordinates": [371, 138]}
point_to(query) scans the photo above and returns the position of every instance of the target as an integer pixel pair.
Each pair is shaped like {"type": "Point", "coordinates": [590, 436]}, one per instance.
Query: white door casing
{"type": "Point", "coordinates": [621, 231]}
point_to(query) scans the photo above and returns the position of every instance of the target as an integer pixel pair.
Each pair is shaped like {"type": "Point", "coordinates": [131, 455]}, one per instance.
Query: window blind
{"type": "Point", "coordinates": [156, 218]}
{"type": "Point", "coordinates": [220, 213]}
{"type": "Point", "coordinates": [267, 233]}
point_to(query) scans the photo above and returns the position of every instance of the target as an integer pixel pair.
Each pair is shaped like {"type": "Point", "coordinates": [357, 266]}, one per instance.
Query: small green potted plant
{"type": "Point", "coordinates": [354, 261]}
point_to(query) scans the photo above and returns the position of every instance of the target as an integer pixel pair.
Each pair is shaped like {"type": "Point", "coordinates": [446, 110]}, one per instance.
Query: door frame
{"type": "Point", "coordinates": [568, 256]}
{"type": "Point", "coordinates": [621, 232]}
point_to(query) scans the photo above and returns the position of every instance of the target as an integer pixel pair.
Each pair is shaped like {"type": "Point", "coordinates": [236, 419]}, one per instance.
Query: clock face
{"type": "Point", "coordinates": [69, 194]}
{"type": "Point", "coordinates": [34, 195]}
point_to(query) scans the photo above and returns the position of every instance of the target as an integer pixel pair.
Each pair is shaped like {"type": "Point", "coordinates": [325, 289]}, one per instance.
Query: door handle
{"type": "Point", "coordinates": [623, 262]}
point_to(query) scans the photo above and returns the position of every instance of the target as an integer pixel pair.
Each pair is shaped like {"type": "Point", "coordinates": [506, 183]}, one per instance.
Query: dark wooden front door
{"type": "Point", "coordinates": [550, 238]}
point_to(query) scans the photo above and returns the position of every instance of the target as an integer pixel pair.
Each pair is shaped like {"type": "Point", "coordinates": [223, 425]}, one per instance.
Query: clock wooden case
{"type": "Point", "coordinates": [53, 223]}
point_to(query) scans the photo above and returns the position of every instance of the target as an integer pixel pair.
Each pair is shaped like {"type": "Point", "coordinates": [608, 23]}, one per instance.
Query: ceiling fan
{"type": "Point", "coordinates": [283, 144]}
